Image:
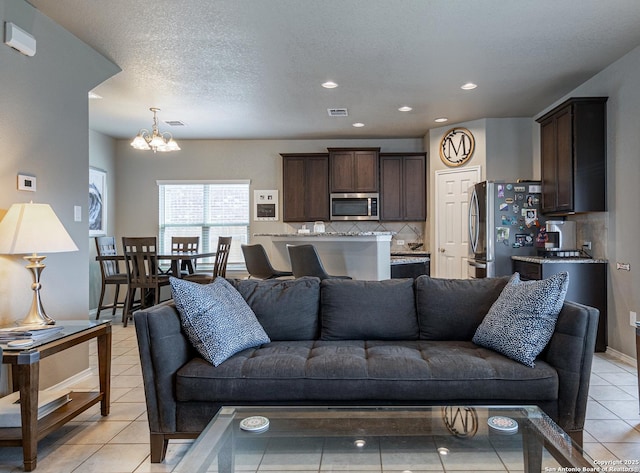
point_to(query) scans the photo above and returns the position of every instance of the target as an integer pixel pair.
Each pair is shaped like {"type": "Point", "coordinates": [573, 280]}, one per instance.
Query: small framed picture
{"type": "Point", "coordinates": [97, 202]}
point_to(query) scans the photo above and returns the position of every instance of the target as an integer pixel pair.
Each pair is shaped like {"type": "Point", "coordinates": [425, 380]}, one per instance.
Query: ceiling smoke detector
{"type": "Point", "coordinates": [338, 112]}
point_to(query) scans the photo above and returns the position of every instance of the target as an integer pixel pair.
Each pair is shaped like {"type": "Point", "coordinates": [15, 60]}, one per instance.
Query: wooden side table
{"type": "Point", "coordinates": [26, 371]}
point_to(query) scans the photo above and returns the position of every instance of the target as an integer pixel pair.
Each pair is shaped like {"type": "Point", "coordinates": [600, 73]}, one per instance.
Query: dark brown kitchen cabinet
{"type": "Point", "coordinates": [573, 155]}
{"type": "Point", "coordinates": [305, 187]}
{"type": "Point", "coordinates": [353, 170]}
{"type": "Point", "coordinates": [587, 285]}
{"type": "Point", "coordinates": [403, 193]}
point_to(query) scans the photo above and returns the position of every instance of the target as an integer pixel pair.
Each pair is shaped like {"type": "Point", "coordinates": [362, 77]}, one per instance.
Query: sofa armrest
{"type": "Point", "coordinates": [570, 352]}
{"type": "Point", "coordinates": [164, 349]}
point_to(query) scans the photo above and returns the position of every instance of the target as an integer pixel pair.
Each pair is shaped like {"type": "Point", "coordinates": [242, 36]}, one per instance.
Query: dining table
{"type": "Point", "coordinates": [175, 258]}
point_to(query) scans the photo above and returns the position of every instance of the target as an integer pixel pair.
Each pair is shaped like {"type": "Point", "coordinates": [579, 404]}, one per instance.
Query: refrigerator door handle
{"type": "Point", "coordinates": [477, 265]}
{"type": "Point", "coordinates": [474, 210]}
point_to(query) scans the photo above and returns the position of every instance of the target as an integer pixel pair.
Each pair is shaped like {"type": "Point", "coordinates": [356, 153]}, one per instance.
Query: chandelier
{"type": "Point", "coordinates": [154, 140]}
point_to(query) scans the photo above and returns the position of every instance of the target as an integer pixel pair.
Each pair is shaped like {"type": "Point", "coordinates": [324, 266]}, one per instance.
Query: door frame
{"type": "Point", "coordinates": [437, 174]}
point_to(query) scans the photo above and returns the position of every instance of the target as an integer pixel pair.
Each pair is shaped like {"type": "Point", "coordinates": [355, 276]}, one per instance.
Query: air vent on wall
{"type": "Point", "coordinates": [337, 112]}
{"type": "Point", "coordinates": [174, 123]}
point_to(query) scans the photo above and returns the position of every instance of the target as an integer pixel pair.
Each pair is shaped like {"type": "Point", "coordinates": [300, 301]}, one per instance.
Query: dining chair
{"type": "Point", "coordinates": [219, 266]}
{"type": "Point", "coordinates": [258, 264]}
{"type": "Point", "coordinates": [141, 257]}
{"type": "Point", "coordinates": [306, 262]}
{"type": "Point", "coordinates": [110, 273]}
{"type": "Point", "coordinates": [184, 244]}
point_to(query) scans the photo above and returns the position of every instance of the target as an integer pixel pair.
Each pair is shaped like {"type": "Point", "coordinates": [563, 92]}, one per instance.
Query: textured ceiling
{"type": "Point", "coordinates": [243, 69]}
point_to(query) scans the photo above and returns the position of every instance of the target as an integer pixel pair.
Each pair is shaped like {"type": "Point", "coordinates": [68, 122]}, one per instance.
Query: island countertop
{"type": "Point", "coordinates": [545, 259]}
{"type": "Point", "coordinates": [360, 255]}
{"type": "Point", "coordinates": [325, 234]}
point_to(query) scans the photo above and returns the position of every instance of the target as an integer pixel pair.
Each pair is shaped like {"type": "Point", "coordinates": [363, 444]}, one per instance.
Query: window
{"type": "Point", "coordinates": [207, 209]}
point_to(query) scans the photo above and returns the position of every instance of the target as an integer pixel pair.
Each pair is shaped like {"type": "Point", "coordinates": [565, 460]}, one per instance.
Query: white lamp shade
{"type": "Point", "coordinates": [33, 228]}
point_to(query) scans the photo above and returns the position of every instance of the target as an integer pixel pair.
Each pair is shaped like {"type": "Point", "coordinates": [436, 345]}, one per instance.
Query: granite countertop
{"type": "Point", "coordinates": [545, 259]}
{"type": "Point", "coordinates": [324, 234]}
{"type": "Point", "coordinates": [410, 253]}
{"type": "Point", "coordinates": [409, 259]}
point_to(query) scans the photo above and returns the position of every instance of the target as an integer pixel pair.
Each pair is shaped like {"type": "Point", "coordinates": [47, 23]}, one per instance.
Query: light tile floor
{"type": "Point", "coordinates": [119, 443]}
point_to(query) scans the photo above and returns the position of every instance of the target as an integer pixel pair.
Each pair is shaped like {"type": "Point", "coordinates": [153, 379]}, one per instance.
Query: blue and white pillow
{"type": "Point", "coordinates": [521, 321]}
{"type": "Point", "coordinates": [216, 318]}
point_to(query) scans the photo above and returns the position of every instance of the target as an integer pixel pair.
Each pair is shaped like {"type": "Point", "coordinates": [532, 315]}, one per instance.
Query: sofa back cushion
{"type": "Point", "coordinates": [452, 309]}
{"type": "Point", "coordinates": [287, 309]}
{"type": "Point", "coordinates": [368, 310]}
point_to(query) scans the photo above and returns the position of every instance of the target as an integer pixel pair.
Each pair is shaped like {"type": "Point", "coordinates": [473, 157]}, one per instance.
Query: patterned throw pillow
{"type": "Point", "coordinates": [216, 319]}
{"type": "Point", "coordinates": [521, 321]}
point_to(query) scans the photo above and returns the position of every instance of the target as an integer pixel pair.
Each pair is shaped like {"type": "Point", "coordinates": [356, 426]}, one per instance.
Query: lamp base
{"type": "Point", "coordinates": [36, 315]}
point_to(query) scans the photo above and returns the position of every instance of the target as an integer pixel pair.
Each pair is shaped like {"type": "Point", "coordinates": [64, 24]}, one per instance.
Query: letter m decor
{"type": "Point", "coordinates": [457, 146]}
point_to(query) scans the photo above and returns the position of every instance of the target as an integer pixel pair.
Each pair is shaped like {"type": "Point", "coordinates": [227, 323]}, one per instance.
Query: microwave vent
{"type": "Point", "coordinates": [338, 112]}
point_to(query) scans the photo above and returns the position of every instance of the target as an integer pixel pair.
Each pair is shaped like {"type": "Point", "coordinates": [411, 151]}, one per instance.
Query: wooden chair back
{"type": "Point", "coordinates": [222, 256]}
{"type": "Point", "coordinates": [106, 246]}
{"type": "Point", "coordinates": [185, 244]}
{"type": "Point", "coordinates": [182, 244]}
{"type": "Point", "coordinates": [141, 256]}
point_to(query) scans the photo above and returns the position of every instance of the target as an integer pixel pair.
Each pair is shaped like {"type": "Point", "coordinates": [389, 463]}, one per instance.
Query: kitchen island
{"type": "Point", "coordinates": [360, 255]}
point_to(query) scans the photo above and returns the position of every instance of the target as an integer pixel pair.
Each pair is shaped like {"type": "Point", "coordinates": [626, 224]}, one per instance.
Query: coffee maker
{"type": "Point", "coordinates": [561, 239]}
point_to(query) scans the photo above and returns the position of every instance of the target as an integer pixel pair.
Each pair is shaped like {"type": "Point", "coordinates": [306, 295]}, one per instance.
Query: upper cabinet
{"type": "Point", "coordinates": [403, 193]}
{"type": "Point", "coordinates": [305, 187]}
{"type": "Point", "coordinates": [573, 154]}
{"type": "Point", "coordinates": [353, 170]}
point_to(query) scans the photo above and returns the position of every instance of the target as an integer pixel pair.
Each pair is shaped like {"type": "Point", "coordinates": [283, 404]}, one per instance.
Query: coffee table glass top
{"type": "Point", "coordinates": [383, 439]}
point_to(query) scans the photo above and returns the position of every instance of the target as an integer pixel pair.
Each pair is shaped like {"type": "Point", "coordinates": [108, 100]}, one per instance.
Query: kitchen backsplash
{"type": "Point", "coordinates": [411, 232]}
{"type": "Point", "coordinates": [592, 227]}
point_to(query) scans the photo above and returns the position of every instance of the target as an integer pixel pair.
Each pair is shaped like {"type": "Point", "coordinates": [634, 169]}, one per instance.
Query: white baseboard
{"type": "Point", "coordinates": [622, 357]}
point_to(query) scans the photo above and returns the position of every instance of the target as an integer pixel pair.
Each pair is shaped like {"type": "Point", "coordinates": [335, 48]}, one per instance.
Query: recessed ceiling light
{"type": "Point", "coordinates": [93, 95]}
{"type": "Point", "coordinates": [443, 451]}
{"type": "Point", "coordinates": [468, 86]}
{"type": "Point", "coordinates": [358, 125]}
{"type": "Point", "coordinates": [329, 85]}
{"type": "Point", "coordinates": [441, 119]}
{"type": "Point", "coordinates": [405, 109]}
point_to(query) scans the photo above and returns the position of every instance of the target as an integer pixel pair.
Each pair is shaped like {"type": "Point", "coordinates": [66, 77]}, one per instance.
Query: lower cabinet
{"type": "Point", "coordinates": [410, 270]}
{"type": "Point", "coordinates": [587, 285]}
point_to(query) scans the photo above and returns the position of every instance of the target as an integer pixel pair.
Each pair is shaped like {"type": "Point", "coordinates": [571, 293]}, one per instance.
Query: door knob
{"type": "Point", "coordinates": [442, 250]}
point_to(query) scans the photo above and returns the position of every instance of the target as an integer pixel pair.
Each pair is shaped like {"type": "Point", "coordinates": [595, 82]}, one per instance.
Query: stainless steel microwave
{"type": "Point", "coordinates": [362, 206]}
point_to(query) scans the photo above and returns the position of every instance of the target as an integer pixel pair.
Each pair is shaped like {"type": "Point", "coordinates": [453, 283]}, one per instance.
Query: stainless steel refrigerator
{"type": "Point", "coordinates": [504, 220]}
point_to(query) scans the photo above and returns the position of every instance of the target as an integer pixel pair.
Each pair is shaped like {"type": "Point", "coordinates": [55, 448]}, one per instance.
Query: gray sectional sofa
{"type": "Point", "coordinates": [340, 342]}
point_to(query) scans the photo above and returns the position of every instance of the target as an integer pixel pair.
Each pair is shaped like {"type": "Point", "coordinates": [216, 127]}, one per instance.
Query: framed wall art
{"type": "Point", "coordinates": [97, 202]}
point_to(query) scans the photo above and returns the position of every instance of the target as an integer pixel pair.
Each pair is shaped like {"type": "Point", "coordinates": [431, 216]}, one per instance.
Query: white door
{"type": "Point", "coordinates": [452, 221]}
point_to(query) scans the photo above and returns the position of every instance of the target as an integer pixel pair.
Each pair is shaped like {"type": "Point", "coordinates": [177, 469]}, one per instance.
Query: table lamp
{"type": "Point", "coordinates": [31, 229]}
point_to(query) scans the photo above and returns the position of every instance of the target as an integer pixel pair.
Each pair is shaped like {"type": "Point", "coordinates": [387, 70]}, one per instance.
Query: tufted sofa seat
{"type": "Point", "coordinates": [340, 342]}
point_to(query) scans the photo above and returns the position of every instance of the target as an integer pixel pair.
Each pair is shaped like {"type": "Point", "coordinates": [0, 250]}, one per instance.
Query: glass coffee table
{"type": "Point", "coordinates": [383, 439]}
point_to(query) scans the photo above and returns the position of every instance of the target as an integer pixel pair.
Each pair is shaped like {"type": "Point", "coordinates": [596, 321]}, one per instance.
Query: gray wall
{"type": "Point", "coordinates": [620, 226]}
{"type": "Point", "coordinates": [257, 160]}
{"type": "Point", "coordinates": [44, 123]}
{"type": "Point", "coordinates": [102, 150]}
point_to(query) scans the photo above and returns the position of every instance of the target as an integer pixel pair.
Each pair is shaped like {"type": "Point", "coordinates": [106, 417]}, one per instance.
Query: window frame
{"type": "Point", "coordinates": [204, 226]}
